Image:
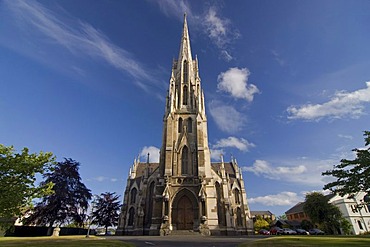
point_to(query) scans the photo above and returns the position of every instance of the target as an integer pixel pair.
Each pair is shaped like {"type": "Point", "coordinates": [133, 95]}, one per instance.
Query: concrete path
{"type": "Point", "coordinates": [186, 240]}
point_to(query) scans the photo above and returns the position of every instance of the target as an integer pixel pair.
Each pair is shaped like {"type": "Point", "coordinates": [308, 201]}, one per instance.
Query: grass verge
{"type": "Point", "coordinates": [303, 241]}
{"type": "Point", "coordinates": [70, 241]}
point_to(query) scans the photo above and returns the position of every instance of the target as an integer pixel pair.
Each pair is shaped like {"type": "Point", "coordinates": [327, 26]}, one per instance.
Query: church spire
{"type": "Point", "coordinates": [185, 52]}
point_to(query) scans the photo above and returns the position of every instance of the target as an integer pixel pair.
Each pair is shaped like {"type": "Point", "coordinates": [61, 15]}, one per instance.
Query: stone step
{"type": "Point", "coordinates": [184, 232]}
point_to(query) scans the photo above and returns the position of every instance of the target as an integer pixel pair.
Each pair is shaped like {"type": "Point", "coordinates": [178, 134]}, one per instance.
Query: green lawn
{"type": "Point", "coordinates": [70, 241]}
{"type": "Point", "coordinates": [302, 241]}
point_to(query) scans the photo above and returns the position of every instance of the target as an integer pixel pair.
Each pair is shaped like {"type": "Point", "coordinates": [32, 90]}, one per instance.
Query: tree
{"type": "Point", "coordinates": [345, 226]}
{"type": "Point", "coordinates": [321, 212]}
{"type": "Point", "coordinates": [307, 225]}
{"type": "Point", "coordinates": [70, 200]}
{"type": "Point", "coordinates": [282, 217]}
{"type": "Point", "coordinates": [260, 223]}
{"type": "Point", "coordinates": [106, 210]}
{"type": "Point", "coordinates": [352, 175]}
{"type": "Point", "coordinates": [18, 173]}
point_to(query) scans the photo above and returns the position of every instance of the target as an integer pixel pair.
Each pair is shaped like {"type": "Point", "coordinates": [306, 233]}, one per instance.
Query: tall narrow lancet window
{"type": "Point", "coordinates": [149, 214]}
{"type": "Point", "coordinates": [237, 196]}
{"type": "Point", "coordinates": [185, 95]}
{"type": "Point", "coordinates": [133, 195]}
{"type": "Point", "coordinates": [185, 160]}
{"type": "Point", "coordinates": [239, 219]}
{"type": "Point", "coordinates": [186, 72]}
{"type": "Point", "coordinates": [180, 125]}
{"type": "Point", "coordinates": [190, 125]}
{"type": "Point", "coordinates": [131, 215]}
{"type": "Point", "coordinates": [220, 206]}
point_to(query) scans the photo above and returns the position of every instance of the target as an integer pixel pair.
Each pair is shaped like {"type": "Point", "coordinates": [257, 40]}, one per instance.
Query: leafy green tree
{"type": "Point", "coordinates": [307, 225]}
{"type": "Point", "coordinates": [321, 212]}
{"type": "Point", "coordinates": [282, 217]}
{"type": "Point", "coordinates": [352, 175]}
{"type": "Point", "coordinates": [345, 226]}
{"type": "Point", "coordinates": [260, 223]}
{"type": "Point", "coordinates": [18, 173]}
{"type": "Point", "coordinates": [106, 210]}
{"type": "Point", "coordinates": [70, 200]}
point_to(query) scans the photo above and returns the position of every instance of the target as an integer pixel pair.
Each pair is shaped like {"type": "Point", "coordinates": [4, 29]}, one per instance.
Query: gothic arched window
{"type": "Point", "coordinates": [186, 72]}
{"type": "Point", "coordinates": [133, 195]}
{"type": "Point", "coordinates": [237, 196]}
{"type": "Point", "coordinates": [190, 125]}
{"type": "Point", "coordinates": [180, 125]}
{"type": "Point", "coordinates": [185, 95]}
{"type": "Point", "coordinates": [150, 204]}
{"type": "Point", "coordinates": [239, 219]}
{"type": "Point", "coordinates": [220, 205]}
{"type": "Point", "coordinates": [131, 215]}
{"type": "Point", "coordinates": [185, 160]}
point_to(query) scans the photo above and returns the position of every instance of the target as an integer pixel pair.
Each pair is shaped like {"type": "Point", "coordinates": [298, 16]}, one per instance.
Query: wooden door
{"type": "Point", "coordinates": [185, 214]}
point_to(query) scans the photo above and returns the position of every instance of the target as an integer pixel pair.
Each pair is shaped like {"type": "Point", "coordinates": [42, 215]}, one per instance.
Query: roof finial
{"type": "Point", "coordinates": [147, 161]}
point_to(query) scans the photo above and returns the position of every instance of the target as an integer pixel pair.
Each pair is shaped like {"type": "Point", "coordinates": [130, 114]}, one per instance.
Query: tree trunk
{"type": "Point", "coordinates": [50, 229]}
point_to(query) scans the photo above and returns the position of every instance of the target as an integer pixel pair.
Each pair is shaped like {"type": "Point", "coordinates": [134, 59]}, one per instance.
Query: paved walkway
{"type": "Point", "coordinates": [186, 240]}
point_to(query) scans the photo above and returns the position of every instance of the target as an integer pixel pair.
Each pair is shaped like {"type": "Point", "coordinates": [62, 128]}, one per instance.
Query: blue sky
{"type": "Point", "coordinates": [286, 85]}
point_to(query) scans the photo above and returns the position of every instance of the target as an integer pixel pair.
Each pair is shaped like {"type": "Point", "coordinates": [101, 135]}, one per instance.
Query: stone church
{"type": "Point", "coordinates": [185, 192]}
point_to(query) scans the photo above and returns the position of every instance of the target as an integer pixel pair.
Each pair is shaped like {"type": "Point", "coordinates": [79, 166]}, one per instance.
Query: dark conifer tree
{"type": "Point", "coordinates": [69, 201]}
{"type": "Point", "coordinates": [106, 210]}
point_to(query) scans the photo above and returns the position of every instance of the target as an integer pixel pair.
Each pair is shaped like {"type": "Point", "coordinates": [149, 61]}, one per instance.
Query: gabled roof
{"type": "Point", "coordinates": [298, 208]}
{"type": "Point", "coordinates": [140, 169]}
{"type": "Point", "coordinates": [229, 168]}
{"type": "Point", "coordinates": [261, 213]}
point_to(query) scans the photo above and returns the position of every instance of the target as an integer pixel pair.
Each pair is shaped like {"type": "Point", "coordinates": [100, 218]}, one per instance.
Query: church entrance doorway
{"type": "Point", "coordinates": [184, 216]}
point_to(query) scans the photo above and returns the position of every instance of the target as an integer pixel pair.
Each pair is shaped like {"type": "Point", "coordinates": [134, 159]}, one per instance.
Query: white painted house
{"type": "Point", "coordinates": [356, 209]}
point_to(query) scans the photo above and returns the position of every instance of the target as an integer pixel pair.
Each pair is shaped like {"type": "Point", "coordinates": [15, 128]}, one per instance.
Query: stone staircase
{"type": "Point", "coordinates": [184, 232]}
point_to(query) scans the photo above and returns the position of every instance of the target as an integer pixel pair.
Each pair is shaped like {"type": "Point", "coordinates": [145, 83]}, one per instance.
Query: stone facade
{"type": "Point", "coordinates": [185, 191]}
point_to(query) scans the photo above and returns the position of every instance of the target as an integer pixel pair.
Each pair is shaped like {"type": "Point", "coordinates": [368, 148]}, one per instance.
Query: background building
{"type": "Point", "coordinates": [355, 209]}
{"type": "Point", "coordinates": [267, 215]}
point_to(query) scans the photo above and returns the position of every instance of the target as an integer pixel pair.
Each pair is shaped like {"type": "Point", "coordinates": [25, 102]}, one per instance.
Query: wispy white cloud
{"type": "Point", "coordinates": [227, 118]}
{"type": "Point", "coordinates": [153, 153]}
{"type": "Point", "coordinates": [175, 8]}
{"type": "Point", "coordinates": [235, 82]}
{"type": "Point", "coordinates": [284, 198]}
{"type": "Point", "coordinates": [298, 171]}
{"type": "Point", "coordinates": [79, 37]}
{"type": "Point", "coordinates": [103, 179]}
{"type": "Point", "coordinates": [225, 55]}
{"type": "Point", "coordinates": [345, 136]}
{"type": "Point", "coordinates": [218, 28]}
{"type": "Point", "coordinates": [278, 57]}
{"type": "Point", "coordinates": [216, 154]}
{"type": "Point", "coordinates": [343, 104]}
{"type": "Point", "coordinates": [234, 142]}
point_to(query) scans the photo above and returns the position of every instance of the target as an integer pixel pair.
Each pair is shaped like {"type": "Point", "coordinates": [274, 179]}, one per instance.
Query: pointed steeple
{"type": "Point", "coordinates": [185, 117]}
{"type": "Point", "coordinates": [185, 52]}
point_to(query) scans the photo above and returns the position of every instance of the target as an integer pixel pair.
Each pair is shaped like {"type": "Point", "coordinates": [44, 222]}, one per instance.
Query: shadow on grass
{"type": "Point", "coordinates": [303, 241]}
{"type": "Point", "coordinates": [70, 241]}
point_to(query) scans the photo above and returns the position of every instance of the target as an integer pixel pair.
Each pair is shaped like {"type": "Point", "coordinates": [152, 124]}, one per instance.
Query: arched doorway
{"type": "Point", "coordinates": [185, 214]}
{"type": "Point", "coordinates": [185, 210]}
